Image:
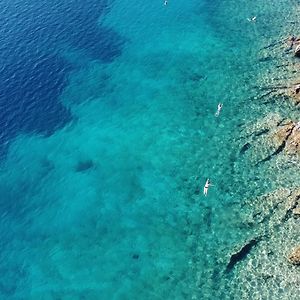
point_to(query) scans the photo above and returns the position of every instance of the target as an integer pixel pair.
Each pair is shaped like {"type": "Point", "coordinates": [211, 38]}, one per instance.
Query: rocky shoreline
{"type": "Point", "coordinates": [272, 143]}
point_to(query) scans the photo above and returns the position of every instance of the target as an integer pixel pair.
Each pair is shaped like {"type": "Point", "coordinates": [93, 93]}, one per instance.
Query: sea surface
{"type": "Point", "coordinates": [108, 133]}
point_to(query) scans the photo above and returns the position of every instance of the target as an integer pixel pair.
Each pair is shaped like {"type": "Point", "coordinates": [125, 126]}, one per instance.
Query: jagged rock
{"type": "Point", "coordinates": [269, 137]}
{"type": "Point", "coordinates": [281, 137]}
{"type": "Point", "coordinates": [294, 257]}
{"type": "Point", "coordinates": [288, 136]}
{"type": "Point", "coordinates": [283, 132]}
{"type": "Point", "coordinates": [293, 143]}
{"type": "Point", "coordinates": [297, 51]}
{"type": "Point", "coordinates": [277, 140]}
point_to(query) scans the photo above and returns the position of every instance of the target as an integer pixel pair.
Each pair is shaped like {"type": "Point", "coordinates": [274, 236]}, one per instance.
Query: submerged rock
{"type": "Point", "coordinates": [84, 165]}
{"type": "Point", "coordinates": [273, 209]}
{"type": "Point", "coordinates": [245, 148]}
{"type": "Point", "coordinates": [294, 257]}
{"type": "Point", "coordinates": [135, 256]}
{"type": "Point", "coordinates": [240, 254]}
{"type": "Point", "coordinates": [273, 212]}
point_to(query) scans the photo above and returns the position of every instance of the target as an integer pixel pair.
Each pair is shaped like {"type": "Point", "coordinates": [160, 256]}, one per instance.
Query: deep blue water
{"type": "Point", "coordinates": [33, 74]}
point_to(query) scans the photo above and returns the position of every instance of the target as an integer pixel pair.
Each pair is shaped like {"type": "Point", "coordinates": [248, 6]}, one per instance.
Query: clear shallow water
{"type": "Point", "coordinates": [102, 198]}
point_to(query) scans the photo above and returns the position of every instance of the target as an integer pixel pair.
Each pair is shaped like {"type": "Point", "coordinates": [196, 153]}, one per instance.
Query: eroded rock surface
{"type": "Point", "coordinates": [294, 257]}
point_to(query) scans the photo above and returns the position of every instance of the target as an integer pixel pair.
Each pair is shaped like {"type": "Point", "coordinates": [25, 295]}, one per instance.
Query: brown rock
{"type": "Point", "coordinates": [284, 132]}
{"type": "Point", "coordinates": [269, 138]}
{"type": "Point", "coordinates": [288, 136]}
{"type": "Point", "coordinates": [293, 143]}
{"type": "Point", "coordinates": [294, 257]}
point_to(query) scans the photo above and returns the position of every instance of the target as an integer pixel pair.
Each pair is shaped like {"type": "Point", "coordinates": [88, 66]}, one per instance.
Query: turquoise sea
{"type": "Point", "coordinates": [108, 134]}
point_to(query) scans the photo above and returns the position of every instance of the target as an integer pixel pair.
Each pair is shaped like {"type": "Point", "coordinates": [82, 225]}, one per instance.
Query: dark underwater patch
{"type": "Point", "coordinates": [84, 165]}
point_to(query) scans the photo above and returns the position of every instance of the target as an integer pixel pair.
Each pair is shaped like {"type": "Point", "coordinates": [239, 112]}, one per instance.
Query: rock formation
{"type": "Point", "coordinates": [294, 257]}
{"type": "Point", "coordinates": [269, 137]}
